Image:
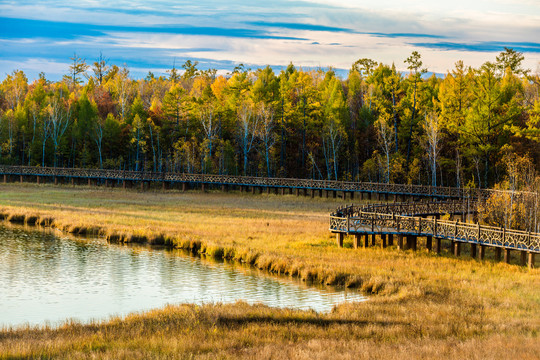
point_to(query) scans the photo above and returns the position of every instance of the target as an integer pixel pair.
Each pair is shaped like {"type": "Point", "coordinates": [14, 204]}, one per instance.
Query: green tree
{"type": "Point", "coordinates": [414, 64]}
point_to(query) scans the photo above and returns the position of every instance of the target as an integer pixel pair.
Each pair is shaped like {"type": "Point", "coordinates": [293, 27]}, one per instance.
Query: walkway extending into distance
{"type": "Point", "coordinates": [405, 220]}
{"type": "Point", "coordinates": [166, 179]}
{"type": "Point", "coordinates": [408, 221]}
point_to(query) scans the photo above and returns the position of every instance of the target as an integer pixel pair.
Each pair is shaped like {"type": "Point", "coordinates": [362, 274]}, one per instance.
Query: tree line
{"type": "Point", "coordinates": [378, 124]}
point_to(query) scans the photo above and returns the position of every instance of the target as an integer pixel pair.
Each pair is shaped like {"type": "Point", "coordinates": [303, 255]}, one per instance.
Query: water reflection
{"type": "Point", "coordinates": [48, 278]}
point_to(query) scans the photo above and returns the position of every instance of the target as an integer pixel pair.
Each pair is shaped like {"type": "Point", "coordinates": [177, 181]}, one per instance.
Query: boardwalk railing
{"type": "Point", "coordinates": [345, 186]}
{"type": "Point", "coordinates": [364, 220]}
{"type": "Point", "coordinates": [411, 208]}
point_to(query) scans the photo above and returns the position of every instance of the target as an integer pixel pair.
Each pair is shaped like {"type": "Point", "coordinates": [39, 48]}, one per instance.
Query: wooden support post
{"type": "Point", "coordinates": [400, 242]}
{"type": "Point", "coordinates": [203, 188]}
{"type": "Point", "coordinates": [124, 184]}
{"type": "Point", "coordinates": [106, 182]}
{"type": "Point", "coordinates": [282, 190]}
{"type": "Point", "coordinates": [385, 196]}
{"type": "Point", "coordinates": [390, 239]}
{"type": "Point", "coordinates": [334, 194]}
{"type": "Point", "coordinates": [38, 179]}
{"type": "Point", "coordinates": [73, 181]}
{"type": "Point", "coordinates": [481, 252]}
{"type": "Point", "coordinates": [530, 260]}
{"type": "Point", "coordinates": [357, 240]}
{"type": "Point", "coordinates": [344, 195]}
{"type": "Point", "coordinates": [429, 242]}
{"type": "Point", "coordinates": [320, 193]}
{"type": "Point", "coordinates": [457, 248]}
{"type": "Point", "coordinates": [412, 242]}
{"type": "Point", "coordinates": [369, 196]}
{"type": "Point", "coordinates": [89, 182]}
{"type": "Point", "coordinates": [312, 193]}
{"type": "Point", "coordinates": [142, 185]}
{"type": "Point", "coordinates": [326, 193]}
{"type": "Point", "coordinates": [373, 239]}
{"type": "Point", "coordinates": [498, 253]}
{"type": "Point", "coordinates": [395, 198]}
{"type": "Point", "coordinates": [439, 245]}
{"type": "Point", "coordinates": [507, 256]}
{"type": "Point", "coordinates": [339, 239]}
{"type": "Point", "coordinates": [253, 189]}
{"type": "Point", "coordinates": [21, 179]}
{"type": "Point", "coordinates": [383, 242]}
{"type": "Point", "coordinates": [297, 191]}
{"type": "Point", "coordinates": [366, 241]}
{"type": "Point", "coordinates": [5, 178]}
{"type": "Point", "coordinates": [55, 180]}
{"type": "Point", "coordinates": [473, 251]}
{"type": "Point", "coordinates": [523, 258]}
{"type": "Point", "coordinates": [378, 196]}
{"type": "Point", "coordinates": [223, 187]}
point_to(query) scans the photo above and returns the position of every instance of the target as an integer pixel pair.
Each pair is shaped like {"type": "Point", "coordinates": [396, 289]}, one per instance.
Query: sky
{"type": "Point", "coordinates": [40, 36]}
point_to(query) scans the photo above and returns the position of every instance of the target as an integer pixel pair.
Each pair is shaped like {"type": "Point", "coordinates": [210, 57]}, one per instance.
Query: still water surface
{"type": "Point", "coordinates": [45, 278]}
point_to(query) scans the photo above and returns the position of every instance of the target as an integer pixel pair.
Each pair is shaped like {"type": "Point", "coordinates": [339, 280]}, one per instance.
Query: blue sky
{"type": "Point", "coordinates": [147, 36]}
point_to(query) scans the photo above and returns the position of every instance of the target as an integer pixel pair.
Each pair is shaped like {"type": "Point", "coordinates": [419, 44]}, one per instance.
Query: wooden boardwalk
{"type": "Point", "coordinates": [344, 189]}
{"type": "Point", "coordinates": [408, 221]}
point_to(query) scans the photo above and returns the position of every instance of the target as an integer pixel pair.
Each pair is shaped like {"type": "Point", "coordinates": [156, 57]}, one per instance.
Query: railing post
{"type": "Point", "coordinates": [478, 234]}
{"type": "Point", "coordinates": [348, 223]}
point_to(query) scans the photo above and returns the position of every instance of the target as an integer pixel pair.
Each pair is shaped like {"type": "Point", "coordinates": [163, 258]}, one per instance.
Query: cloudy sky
{"type": "Point", "coordinates": [42, 35]}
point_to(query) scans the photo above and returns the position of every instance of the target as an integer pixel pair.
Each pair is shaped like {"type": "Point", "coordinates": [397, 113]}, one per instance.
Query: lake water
{"type": "Point", "coordinates": [47, 279]}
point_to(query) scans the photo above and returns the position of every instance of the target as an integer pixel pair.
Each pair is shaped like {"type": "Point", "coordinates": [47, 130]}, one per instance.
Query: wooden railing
{"type": "Point", "coordinates": [364, 220]}
{"type": "Point", "coordinates": [366, 187]}
{"type": "Point", "coordinates": [464, 206]}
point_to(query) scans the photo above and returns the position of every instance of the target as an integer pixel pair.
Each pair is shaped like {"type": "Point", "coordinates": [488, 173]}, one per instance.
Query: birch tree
{"type": "Point", "coordinates": [266, 132]}
{"type": "Point", "coordinates": [59, 114]}
{"type": "Point", "coordinates": [210, 128]}
{"type": "Point", "coordinates": [247, 129]}
{"type": "Point", "coordinates": [122, 84]}
{"type": "Point", "coordinates": [385, 139]}
{"type": "Point", "coordinates": [431, 127]}
{"type": "Point", "coordinates": [97, 132]}
{"type": "Point", "coordinates": [331, 140]}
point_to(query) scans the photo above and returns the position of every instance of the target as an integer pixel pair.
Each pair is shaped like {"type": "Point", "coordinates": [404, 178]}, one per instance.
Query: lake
{"type": "Point", "coordinates": [47, 277]}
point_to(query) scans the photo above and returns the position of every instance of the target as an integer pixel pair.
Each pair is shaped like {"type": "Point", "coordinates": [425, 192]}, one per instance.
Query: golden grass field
{"type": "Point", "coordinates": [420, 305]}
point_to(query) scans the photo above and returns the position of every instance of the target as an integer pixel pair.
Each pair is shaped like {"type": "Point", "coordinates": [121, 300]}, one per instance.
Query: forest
{"type": "Point", "coordinates": [474, 127]}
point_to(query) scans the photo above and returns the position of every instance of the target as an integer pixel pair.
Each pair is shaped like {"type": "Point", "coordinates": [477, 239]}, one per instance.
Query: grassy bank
{"type": "Point", "coordinates": [426, 305]}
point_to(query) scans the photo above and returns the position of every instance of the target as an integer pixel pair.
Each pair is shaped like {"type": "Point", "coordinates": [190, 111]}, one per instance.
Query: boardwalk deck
{"type": "Point", "coordinates": [243, 181]}
{"type": "Point", "coordinates": [407, 220]}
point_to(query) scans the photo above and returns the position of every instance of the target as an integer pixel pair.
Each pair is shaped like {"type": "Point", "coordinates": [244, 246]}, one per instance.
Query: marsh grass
{"type": "Point", "coordinates": [421, 305]}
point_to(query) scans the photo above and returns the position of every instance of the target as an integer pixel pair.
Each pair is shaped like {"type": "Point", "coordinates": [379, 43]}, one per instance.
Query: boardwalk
{"type": "Point", "coordinates": [408, 221]}
{"type": "Point", "coordinates": [285, 185]}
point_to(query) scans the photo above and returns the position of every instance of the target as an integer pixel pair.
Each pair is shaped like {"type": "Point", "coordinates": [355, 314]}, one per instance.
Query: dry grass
{"type": "Point", "coordinates": [427, 306]}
